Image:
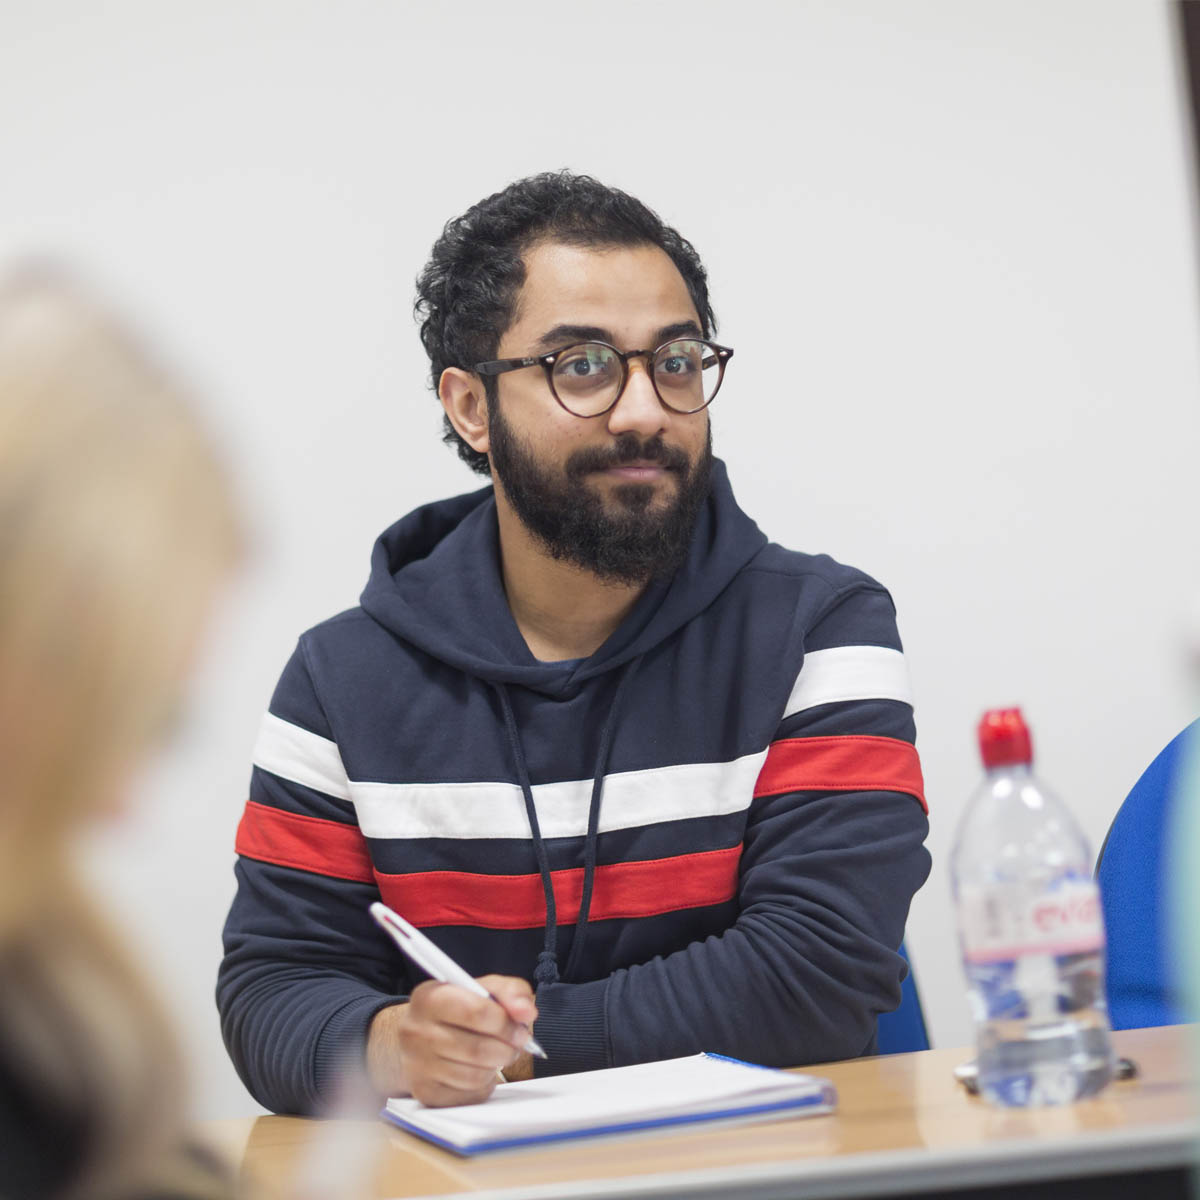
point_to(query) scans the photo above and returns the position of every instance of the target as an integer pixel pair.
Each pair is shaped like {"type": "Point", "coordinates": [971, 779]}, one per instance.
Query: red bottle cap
{"type": "Point", "coordinates": [1004, 738]}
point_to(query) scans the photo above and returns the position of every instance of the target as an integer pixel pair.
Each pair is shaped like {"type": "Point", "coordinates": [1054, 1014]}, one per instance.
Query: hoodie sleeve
{"type": "Point", "coordinates": [305, 968]}
{"type": "Point", "coordinates": [832, 855]}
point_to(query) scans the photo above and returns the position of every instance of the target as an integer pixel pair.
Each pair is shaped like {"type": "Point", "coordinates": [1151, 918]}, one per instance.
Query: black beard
{"type": "Point", "coordinates": [629, 545]}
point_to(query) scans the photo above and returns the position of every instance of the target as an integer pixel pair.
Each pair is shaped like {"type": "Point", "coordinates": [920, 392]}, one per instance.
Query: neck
{"type": "Point", "coordinates": [562, 610]}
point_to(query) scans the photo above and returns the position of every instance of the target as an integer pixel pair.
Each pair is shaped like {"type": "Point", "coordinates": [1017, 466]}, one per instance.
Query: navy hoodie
{"type": "Point", "coordinates": [704, 836]}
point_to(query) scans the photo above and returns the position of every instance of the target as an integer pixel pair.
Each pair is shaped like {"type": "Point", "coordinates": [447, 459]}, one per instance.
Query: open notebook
{"type": "Point", "coordinates": [703, 1087]}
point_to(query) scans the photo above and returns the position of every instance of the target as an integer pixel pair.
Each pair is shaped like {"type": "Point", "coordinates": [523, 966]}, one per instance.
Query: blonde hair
{"type": "Point", "coordinates": [116, 528]}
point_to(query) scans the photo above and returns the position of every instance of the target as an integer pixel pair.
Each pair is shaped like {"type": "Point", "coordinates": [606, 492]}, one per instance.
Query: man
{"type": "Point", "coordinates": [588, 728]}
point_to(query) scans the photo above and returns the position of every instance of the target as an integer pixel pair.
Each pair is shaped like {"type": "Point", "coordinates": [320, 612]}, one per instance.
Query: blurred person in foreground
{"type": "Point", "coordinates": [116, 531]}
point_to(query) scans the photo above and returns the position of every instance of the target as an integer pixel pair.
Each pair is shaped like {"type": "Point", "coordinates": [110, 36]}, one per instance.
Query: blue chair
{"type": "Point", "coordinates": [1130, 870]}
{"type": "Point", "coordinates": [903, 1030]}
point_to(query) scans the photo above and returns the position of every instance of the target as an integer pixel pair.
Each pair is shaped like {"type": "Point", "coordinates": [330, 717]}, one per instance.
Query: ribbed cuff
{"type": "Point", "coordinates": [572, 1027]}
{"type": "Point", "coordinates": [341, 1050]}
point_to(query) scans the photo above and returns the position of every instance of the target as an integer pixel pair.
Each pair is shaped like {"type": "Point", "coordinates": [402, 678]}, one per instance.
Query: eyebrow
{"type": "Point", "coordinates": [566, 335]}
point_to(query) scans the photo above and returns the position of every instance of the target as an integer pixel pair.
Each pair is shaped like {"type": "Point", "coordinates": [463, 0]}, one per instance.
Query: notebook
{"type": "Point", "coordinates": [678, 1091]}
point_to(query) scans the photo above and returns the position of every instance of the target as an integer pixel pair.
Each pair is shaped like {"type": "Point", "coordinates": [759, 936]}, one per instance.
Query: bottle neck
{"type": "Point", "coordinates": [1018, 769]}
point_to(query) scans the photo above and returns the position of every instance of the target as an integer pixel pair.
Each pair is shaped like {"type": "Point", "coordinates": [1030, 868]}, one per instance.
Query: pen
{"type": "Point", "coordinates": [434, 961]}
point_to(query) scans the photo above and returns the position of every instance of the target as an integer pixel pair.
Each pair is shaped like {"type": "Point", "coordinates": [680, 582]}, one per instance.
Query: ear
{"type": "Point", "coordinates": [463, 397]}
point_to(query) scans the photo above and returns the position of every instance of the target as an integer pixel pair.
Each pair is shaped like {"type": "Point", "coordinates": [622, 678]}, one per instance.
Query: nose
{"type": "Point", "coordinates": [639, 408]}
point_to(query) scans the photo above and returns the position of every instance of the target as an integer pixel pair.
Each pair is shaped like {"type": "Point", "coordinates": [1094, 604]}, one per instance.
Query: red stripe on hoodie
{"type": "Point", "coordinates": [306, 843]}
{"type": "Point", "coordinates": [851, 763]}
{"type": "Point", "coordinates": [620, 890]}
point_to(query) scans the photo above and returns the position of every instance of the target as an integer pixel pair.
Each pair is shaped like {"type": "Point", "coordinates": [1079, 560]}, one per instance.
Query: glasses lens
{"type": "Point", "coordinates": [687, 373]}
{"type": "Point", "coordinates": [586, 378]}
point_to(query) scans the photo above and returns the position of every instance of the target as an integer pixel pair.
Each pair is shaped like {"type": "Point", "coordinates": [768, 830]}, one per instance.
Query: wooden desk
{"type": "Point", "coordinates": [902, 1126]}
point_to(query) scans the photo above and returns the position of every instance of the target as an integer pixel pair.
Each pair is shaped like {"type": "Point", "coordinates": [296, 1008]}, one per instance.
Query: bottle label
{"type": "Point", "coordinates": [1001, 925]}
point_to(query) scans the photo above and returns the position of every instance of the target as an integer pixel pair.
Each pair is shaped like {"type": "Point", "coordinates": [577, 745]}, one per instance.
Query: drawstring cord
{"type": "Point", "coordinates": [547, 961]}
{"type": "Point", "coordinates": [589, 850]}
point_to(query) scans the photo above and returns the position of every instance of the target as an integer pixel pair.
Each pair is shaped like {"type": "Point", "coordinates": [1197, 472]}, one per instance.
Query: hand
{"type": "Point", "coordinates": [446, 1045]}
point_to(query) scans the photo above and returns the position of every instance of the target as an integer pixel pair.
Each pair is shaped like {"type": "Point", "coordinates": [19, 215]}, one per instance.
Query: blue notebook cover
{"type": "Point", "coordinates": [679, 1091]}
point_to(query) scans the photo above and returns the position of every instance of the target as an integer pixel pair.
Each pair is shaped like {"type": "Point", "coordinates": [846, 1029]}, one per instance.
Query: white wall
{"type": "Point", "coordinates": [950, 241]}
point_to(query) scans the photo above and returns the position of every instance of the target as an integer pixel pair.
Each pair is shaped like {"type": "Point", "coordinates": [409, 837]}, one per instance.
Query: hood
{"type": "Point", "coordinates": [435, 582]}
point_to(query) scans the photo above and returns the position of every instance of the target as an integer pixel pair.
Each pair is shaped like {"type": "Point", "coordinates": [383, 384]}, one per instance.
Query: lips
{"type": "Point", "coordinates": [629, 453]}
{"type": "Point", "coordinates": [637, 470]}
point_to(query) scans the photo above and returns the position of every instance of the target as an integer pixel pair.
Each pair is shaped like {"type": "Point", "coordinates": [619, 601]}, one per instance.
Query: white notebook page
{"type": "Point", "coordinates": [646, 1092]}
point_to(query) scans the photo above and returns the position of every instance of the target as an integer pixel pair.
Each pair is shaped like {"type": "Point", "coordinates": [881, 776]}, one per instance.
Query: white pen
{"type": "Point", "coordinates": [435, 961]}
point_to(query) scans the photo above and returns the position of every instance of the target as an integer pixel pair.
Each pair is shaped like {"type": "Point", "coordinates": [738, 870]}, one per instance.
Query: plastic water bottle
{"type": "Point", "coordinates": [1031, 932]}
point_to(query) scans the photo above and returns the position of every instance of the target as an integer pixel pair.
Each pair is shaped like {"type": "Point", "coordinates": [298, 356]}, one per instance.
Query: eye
{"type": "Point", "coordinates": [679, 362]}
{"type": "Point", "coordinates": [585, 364]}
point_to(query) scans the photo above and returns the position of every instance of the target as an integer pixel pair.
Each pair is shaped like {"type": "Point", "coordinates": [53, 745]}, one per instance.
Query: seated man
{"type": "Point", "coordinates": [588, 728]}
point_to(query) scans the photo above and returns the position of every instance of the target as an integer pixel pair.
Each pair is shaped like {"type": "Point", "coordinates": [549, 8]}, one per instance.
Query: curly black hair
{"type": "Point", "coordinates": [467, 293]}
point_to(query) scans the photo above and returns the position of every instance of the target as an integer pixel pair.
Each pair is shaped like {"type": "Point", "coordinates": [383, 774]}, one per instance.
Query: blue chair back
{"type": "Point", "coordinates": [904, 1030]}
{"type": "Point", "coordinates": [1131, 871]}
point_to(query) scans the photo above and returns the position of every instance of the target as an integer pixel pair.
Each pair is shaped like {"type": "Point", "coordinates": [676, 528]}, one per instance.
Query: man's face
{"type": "Point", "coordinates": [616, 494]}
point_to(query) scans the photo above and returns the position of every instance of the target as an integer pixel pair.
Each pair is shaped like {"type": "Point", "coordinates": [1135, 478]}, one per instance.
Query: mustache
{"type": "Point", "coordinates": [627, 448]}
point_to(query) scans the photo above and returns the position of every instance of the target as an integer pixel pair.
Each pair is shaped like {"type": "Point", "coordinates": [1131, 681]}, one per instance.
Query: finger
{"type": "Point", "coordinates": [450, 1083]}
{"type": "Point", "coordinates": [462, 1077]}
{"type": "Point", "coordinates": [424, 1040]}
{"type": "Point", "coordinates": [435, 1076]}
{"type": "Point", "coordinates": [434, 1094]}
{"type": "Point", "coordinates": [447, 1005]}
{"type": "Point", "coordinates": [469, 1049]}
{"type": "Point", "coordinates": [514, 995]}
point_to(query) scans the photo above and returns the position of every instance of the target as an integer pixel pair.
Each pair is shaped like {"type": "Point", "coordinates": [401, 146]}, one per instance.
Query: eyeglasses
{"type": "Point", "coordinates": [589, 378]}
